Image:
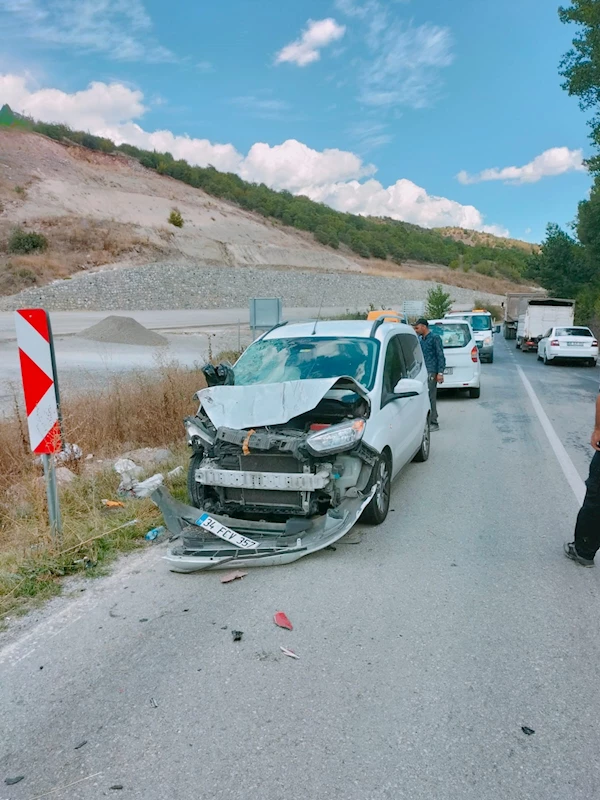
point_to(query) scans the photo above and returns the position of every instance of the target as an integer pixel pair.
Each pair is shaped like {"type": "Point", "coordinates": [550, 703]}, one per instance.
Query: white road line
{"type": "Point", "coordinates": [570, 472]}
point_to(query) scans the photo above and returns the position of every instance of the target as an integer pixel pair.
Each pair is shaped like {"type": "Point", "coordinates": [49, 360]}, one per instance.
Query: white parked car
{"type": "Point", "coordinates": [463, 367]}
{"type": "Point", "coordinates": [569, 343]}
{"type": "Point", "coordinates": [297, 441]}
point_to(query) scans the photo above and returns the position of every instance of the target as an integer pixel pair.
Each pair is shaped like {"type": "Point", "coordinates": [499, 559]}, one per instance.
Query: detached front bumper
{"type": "Point", "coordinates": [277, 543]}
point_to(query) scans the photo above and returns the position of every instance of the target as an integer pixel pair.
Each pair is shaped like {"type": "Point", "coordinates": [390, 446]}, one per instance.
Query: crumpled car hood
{"type": "Point", "coordinates": [263, 404]}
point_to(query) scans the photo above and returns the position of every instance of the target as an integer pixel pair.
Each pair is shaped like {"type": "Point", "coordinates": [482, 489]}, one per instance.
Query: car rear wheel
{"type": "Point", "coordinates": [423, 453]}
{"type": "Point", "coordinates": [546, 361]}
{"type": "Point", "coordinates": [475, 392]}
{"type": "Point", "coordinates": [377, 510]}
{"type": "Point", "coordinates": [195, 489]}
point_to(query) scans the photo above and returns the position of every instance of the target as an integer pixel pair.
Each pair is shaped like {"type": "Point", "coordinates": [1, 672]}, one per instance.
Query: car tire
{"type": "Point", "coordinates": [518, 345]}
{"type": "Point", "coordinates": [491, 359]}
{"type": "Point", "coordinates": [475, 392]}
{"type": "Point", "coordinates": [591, 363]}
{"type": "Point", "coordinates": [546, 360]}
{"type": "Point", "coordinates": [425, 448]}
{"type": "Point", "coordinates": [377, 510]}
{"type": "Point", "coordinates": [195, 489]}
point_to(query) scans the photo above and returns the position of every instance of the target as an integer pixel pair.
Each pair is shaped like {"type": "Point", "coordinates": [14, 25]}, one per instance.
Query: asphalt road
{"type": "Point", "coordinates": [423, 649]}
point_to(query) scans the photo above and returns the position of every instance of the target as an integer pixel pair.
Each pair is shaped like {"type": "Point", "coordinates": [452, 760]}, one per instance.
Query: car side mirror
{"type": "Point", "coordinates": [407, 387]}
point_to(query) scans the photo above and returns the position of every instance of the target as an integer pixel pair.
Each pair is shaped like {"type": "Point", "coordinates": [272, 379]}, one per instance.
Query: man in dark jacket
{"type": "Point", "coordinates": [587, 530]}
{"type": "Point", "coordinates": [433, 353]}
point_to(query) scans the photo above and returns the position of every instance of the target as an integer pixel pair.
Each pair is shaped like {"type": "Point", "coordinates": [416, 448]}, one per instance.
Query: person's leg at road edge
{"type": "Point", "coordinates": [587, 530]}
{"type": "Point", "coordinates": [433, 386]}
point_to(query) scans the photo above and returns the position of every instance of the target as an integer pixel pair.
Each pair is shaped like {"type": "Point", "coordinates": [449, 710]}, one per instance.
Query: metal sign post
{"type": "Point", "coordinates": [42, 405]}
{"type": "Point", "coordinates": [265, 313]}
{"type": "Point", "coordinates": [414, 308]}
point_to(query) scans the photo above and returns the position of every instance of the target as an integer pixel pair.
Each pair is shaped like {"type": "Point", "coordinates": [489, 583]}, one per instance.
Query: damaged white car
{"type": "Point", "coordinates": [297, 442]}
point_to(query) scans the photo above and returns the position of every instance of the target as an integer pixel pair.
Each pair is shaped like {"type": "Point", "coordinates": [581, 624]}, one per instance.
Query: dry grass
{"type": "Point", "coordinates": [74, 243]}
{"type": "Point", "coordinates": [145, 409]}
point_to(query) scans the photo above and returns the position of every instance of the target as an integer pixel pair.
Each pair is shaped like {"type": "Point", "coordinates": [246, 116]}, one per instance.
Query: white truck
{"type": "Point", "coordinates": [539, 316]}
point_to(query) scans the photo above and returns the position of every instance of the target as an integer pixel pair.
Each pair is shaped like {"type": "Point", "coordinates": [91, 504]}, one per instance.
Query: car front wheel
{"type": "Point", "coordinates": [423, 453]}
{"type": "Point", "coordinates": [377, 510]}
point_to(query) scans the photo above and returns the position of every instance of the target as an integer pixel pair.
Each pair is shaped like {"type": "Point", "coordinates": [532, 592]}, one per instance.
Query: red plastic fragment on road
{"type": "Point", "coordinates": [281, 619]}
{"type": "Point", "coordinates": [232, 576]}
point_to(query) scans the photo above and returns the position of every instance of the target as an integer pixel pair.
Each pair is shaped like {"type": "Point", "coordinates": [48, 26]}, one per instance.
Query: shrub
{"type": "Point", "coordinates": [175, 218]}
{"type": "Point", "coordinates": [22, 241]}
{"type": "Point", "coordinates": [439, 302]}
{"type": "Point", "coordinates": [485, 268]}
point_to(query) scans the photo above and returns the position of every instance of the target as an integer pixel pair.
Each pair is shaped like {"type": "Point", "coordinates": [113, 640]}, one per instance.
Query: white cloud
{"type": "Point", "coordinates": [555, 161]}
{"type": "Point", "coordinates": [405, 63]}
{"type": "Point", "coordinates": [317, 35]}
{"type": "Point", "coordinates": [404, 200]}
{"type": "Point", "coordinates": [96, 107]}
{"type": "Point", "coordinates": [338, 178]}
{"type": "Point", "coordinates": [120, 29]}
{"type": "Point", "coordinates": [296, 167]}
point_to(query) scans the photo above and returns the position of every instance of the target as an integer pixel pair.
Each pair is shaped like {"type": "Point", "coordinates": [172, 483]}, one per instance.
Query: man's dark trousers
{"type": "Point", "coordinates": [433, 387]}
{"type": "Point", "coordinates": [587, 530]}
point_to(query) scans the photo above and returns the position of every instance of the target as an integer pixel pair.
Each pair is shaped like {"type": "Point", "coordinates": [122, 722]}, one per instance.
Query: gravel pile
{"type": "Point", "coordinates": [123, 330]}
{"type": "Point", "coordinates": [165, 286]}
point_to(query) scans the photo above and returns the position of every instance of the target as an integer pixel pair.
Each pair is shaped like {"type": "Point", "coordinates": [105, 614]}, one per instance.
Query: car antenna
{"type": "Point", "coordinates": [314, 330]}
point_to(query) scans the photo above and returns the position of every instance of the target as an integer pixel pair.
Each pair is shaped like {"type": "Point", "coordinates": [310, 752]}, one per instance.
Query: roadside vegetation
{"type": "Point", "coordinates": [175, 218]}
{"type": "Point", "coordinates": [62, 246]}
{"type": "Point", "coordinates": [144, 409]}
{"type": "Point", "coordinates": [367, 237]}
{"type": "Point", "coordinates": [569, 263]}
{"type": "Point", "coordinates": [439, 302]}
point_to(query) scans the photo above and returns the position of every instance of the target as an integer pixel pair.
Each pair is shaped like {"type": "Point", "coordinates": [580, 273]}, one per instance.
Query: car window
{"type": "Point", "coordinates": [280, 360]}
{"type": "Point", "coordinates": [548, 334]}
{"type": "Point", "coordinates": [413, 355]}
{"type": "Point", "coordinates": [452, 334]}
{"type": "Point", "coordinates": [479, 322]}
{"type": "Point", "coordinates": [574, 332]}
{"type": "Point", "coordinates": [394, 368]}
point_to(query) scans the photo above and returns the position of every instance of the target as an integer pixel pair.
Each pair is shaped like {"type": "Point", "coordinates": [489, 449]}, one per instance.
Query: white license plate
{"type": "Point", "coordinates": [223, 532]}
{"type": "Point", "coordinates": [449, 371]}
{"type": "Point", "coordinates": [574, 344]}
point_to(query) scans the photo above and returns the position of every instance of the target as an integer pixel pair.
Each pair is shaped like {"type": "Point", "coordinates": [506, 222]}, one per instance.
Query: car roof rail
{"type": "Point", "coordinates": [278, 325]}
{"type": "Point", "coordinates": [378, 322]}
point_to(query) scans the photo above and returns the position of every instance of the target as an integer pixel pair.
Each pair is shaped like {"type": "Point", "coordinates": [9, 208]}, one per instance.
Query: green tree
{"type": "Point", "coordinates": [563, 267]}
{"type": "Point", "coordinates": [580, 66]}
{"type": "Point", "coordinates": [439, 302]}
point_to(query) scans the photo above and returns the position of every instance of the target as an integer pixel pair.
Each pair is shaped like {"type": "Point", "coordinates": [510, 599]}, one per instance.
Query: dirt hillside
{"type": "Point", "coordinates": [99, 209]}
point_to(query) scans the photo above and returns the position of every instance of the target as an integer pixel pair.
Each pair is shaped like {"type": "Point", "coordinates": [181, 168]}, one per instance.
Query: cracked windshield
{"type": "Point", "coordinates": [299, 399]}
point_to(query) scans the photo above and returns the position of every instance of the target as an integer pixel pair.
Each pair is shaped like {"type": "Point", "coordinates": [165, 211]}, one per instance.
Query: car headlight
{"type": "Point", "coordinates": [337, 437]}
{"type": "Point", "coordinates": [487, 340]}
{"type": "Point", "coordinates": [194, 431]}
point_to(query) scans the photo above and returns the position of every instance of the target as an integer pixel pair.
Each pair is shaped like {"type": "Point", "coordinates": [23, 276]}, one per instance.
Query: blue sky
{"type": "Point", "coordinates": [373, 106]}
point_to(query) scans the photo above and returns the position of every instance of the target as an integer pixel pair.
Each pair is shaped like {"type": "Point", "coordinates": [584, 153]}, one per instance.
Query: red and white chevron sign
{"type": "Point", "coordinates": [36, 353]}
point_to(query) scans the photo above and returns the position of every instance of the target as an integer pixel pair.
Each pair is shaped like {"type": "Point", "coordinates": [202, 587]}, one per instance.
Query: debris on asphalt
{"type": "Point", "coordinates": [155, 533]}
{"type": "Point", "coordinates": [527, 731]}
{"type": "Point", "coordinates": [232, 576]}
{"type": "Point", "coordinates": [281, 619]}
{"type": "Point", "coordinates": [80, 745]}
{"type": "Point", "coordinates": [144, 619]}
{"type": "Point", "coordinates": [117, 786]}
{"type": "Point", "coordinates": [12, 781]}
{"type": "Point", "coordinates": [153, 703]}
{"type": "Point", "coordinates": [175, 472]}
{"type": "Point", "coordinates": [113, 503]}
{"type": "Point", "coordinates": [287, 652]}
{"type": "Point", "coordinates": [237, 635]}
